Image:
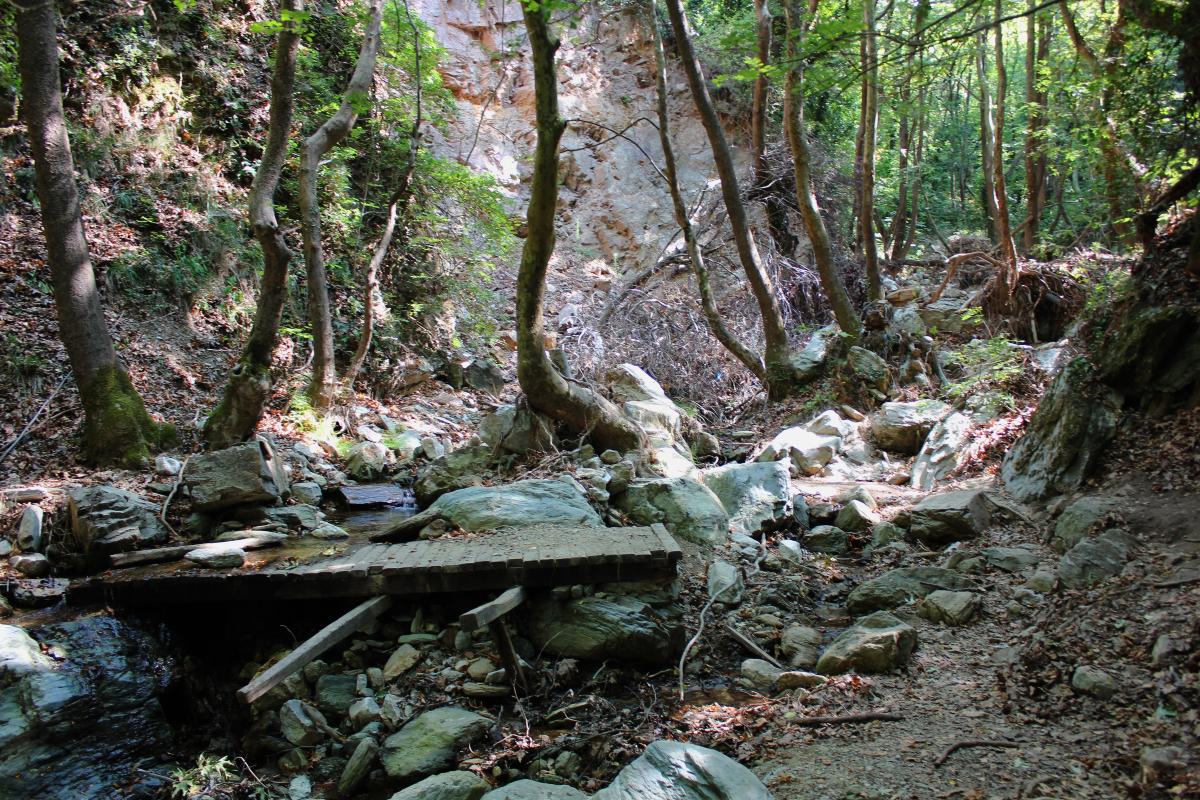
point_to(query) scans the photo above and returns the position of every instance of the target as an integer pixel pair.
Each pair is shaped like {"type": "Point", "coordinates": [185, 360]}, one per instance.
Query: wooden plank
{"type": "Point", "coordinates": [492, 610]}
{"type": "Point", "coordinates": [178, 551]}
{"type": "Point", "coordinates": [353, 620]}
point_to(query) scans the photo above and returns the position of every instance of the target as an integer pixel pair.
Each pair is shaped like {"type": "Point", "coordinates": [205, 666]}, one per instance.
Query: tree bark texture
{"type": "Point", "coordinates": [986, 141]}
{"type": "Point", "coordinates": [793, 123]}
{"type": "Point", "coordinates": [1008, 249]}
{"type": "Point", "coordinates": [249, 386]}
{"type": "Point", "coordinates": [326, 137]}
{"type": "Point", "coordinates": [577, 408]}
{"type": "Point", "coordinates": [870, 119]}
{"type": "Point", "coordinates": [708, 303]}
{"type": "Point", "coordinates": [1037, 46]}
{"type": "Point", "coordinates": [116, 428]}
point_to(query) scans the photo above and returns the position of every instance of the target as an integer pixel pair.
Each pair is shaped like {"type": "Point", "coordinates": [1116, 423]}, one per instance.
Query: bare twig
{"type": "Point", "coordinates": [162, 513]}
{"type": "Point", "coordinates": [952, 749]}
{"type": "Point", "coordinates": [751, 645]}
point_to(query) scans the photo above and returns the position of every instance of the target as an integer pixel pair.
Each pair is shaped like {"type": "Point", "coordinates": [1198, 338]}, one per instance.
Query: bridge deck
{"type": "Point", "coordinates": [536, 556]}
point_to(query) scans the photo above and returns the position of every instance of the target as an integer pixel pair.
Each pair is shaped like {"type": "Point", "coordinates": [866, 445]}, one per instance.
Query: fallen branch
{"type": "Point", "coordinates": [847, 719]}
{"type": "Point", "coordinates": [751, 645]}
{"type": "Point", "coordinates": [952, 264]}
{"type": "Point", "coordinates": [954, 748]}
{"type": "Point", "coordinates": [162, 514]}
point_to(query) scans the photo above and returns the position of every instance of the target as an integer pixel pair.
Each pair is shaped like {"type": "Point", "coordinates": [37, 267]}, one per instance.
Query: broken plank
{"type": "Point", "coordinates": [492, 610]}
{"type": "Point", "coordinates": [178, 551]}
{"type": "Point", "coordinates": [353, 620]}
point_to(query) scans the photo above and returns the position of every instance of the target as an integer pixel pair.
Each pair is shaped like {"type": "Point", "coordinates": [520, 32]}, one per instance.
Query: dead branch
{"type": "Point", "coordinates": [748, 643]}
{"type": "Point", "coordinates": [848, 719]}
{"type": "Point", "coordinates": [954, 748]}
{"type": "Point", "coordinates": [952, 264]}
{"type": "Point", "coordinates": [162, 513]}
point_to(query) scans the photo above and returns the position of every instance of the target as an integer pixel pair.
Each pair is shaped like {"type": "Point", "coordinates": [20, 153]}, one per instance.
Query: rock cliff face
{"type": "Point", "coordinates": [614, 210]}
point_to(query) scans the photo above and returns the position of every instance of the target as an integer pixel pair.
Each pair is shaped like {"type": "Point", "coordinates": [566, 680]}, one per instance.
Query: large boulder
{"type": "Point", "coordinates": [898, 586]}
{"type": "Point", "coordinates": [877, 643]}
{"type": "Point", "coordinates": [869, 368]}
{"type": "Point", "coordinates": [809, 361]}
{"type": "Point", "coordinates": [688, 509]}
{"type": "Point", "coordinates": [516, 429]}
{"type": "Point", "coordinates": [595, 628]}
{"type": "Point", "coordinates": [1062, 444]}
{"type": "Point", "coordinates": [643, 400]}
{"type": "Point", "coordinates": [458, 785]}
{"type": "Point", "coordinates": [944, 449]}
{"type": "Point", "coordinates": [457, 470]}
{"type": "Point", "coordinates": [902, 427]}
{"type": "Point", "coordinates": [533, 790]}
{"type": "Point", "coordinates": [809, 452]}
{"type": "Point", "coordinates": [76, 719]}
{"type": "Point", "coordinates": [1078, 519]}
{"type": "Point", "coordinates": [368, 461]}
{"type": "Point", "coordinates": [239, 475]}
{"type": "Point", "coordinates": [105, 519]}
{"type": "Point", "coordinates": [950, 517]}
{"type": "Point", "coordinates": [681, 771]}
{"type": "Point", "coordinates": [428, 743]}
{"type": "Point", "coordinates": [751, 493]}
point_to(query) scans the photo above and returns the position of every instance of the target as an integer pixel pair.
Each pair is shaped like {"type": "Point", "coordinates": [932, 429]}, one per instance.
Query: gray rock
{"type": "Point", "coordinates": [401, 661]}
{"type": "Point", "coordinates": [334, 693]}
{"type": "Point", "coordinates": [761, 675]}
{"type": "Point", "coordinates": [1093, 559]}
{"type": "Point", "coordinates": [367, 461]}
{"type": "Point", "coordinates": [77, 719]}
{"type": "Point", "coordinates": [705, 445]}
{"type": "Point", "coordinates": [484, 375]}
{"type": "Point", "coordinates": [166, 466]}
{"type": "Point", "coordinates": [898, 586]}
{"type": "Point", "coordinates": [687, 508]}
{"type": "Point", "coordinates": [949, 517]}
{"type": "Point", "coordinates": [944, 449]}
{"type": "Point", "coordinates": [217, 556]}
{"type": "Point", "coordinates": [461, 785]}
{"type": "Point", "coordinates": [31, 565]}
{"type": "Point", "coordinates": [307, 492]}
{"type": "Point", "coordinates": [869, 368]}
{"type": "Point", "coordinates": [1062, 444]}
{"type": "Point", "coordinates": [884, 533]}
{"type": "Point", "coordinates": [29, 530]}
{"type": "Point", "coordinates": [363, 712]}
{"type": "Point", "coordinates": [1010, 559]}
{"type": "Point", "coordinates": [105, 519]}
{"type": "Point", "coordinates": [878, 643]}
{"type": "Point", "coordinates": [680, 771]}
{"type": "Point", "coordinates": [952, 608]}
{"type": "Point", "coordinates": [798, 679]}
{"type": "Point", "coordinates": [595, 628]}
{"type": "Point", "coordinates": [810, 360]}
{"type": "Point", "coordinates": [725, 583]}
{"type": "Point", "coordinates": [243, 474]}
{"type": "Point", "coordinates": [808, 452]}
{"type": "Point", "coordinates": [644, 401]}
{"type": "Point", "coordinates": [902, 427]}
{"type": "Point", "coordinates": [827, 539]}
{"type": "Point", "coordinates": [533, 790]}
{"type": "Point", "coordinates": [458, 470]}
{"type": "Point", "coordinates": [1093, 681]}
{"type": "Point", "coordinates": [297, 517]}
{"type": "Point", "coordinates": [856, 516]}
{"type": "Point", "coordinates": [516, 429]}
{"type": "Point", "coordinates": [431, 448]}
{"type": "Point", "coordinates": [427, 744]}
{"type": "Point", "coordinates": [301, 724]}
{"type": "Point", "coordinates": [751, 493]}
{"type": "Point", "coordinates": [801, 645]}
{"type": "Point", "coordinates": [6, 548]}
{"type": "Point", "coordinates": [519, 504]}
{"type": "Point", "coordinates": [1043, 581]}
{"type": "Point", "coordinates": [1079, 519]}
{"type": "Point", "coordinates": [358, 766]}
{"type": "Point", "coordinates": [830, 423]}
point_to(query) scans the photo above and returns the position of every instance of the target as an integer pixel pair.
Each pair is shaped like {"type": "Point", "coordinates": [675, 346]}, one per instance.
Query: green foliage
{"type": "Point", "coordinates": [984, 372]}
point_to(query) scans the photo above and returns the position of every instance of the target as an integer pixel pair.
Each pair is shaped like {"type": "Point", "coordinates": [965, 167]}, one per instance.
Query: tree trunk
{"type": "Point", "coordinates": [870, 121]}
{"type": "Point", "coordinates": [793, 123]}
{"type": "Point", "coordinates": [241, 407]}
{"type": "Point", "coordinates": [987, 199]}
{"type": "Point", "coordinates": [1037, 46]}
{"type": "Point", "coordinates": [781, 374]}
{"type": "Point", "coordinates": [578, 408]}
{"type": "Point", "coordinates": [116, 428]}
{"type": "Point", "coordinates": [708, 303]}
{"type": "Point", "coordinates": [326, 137]}
{"type": "Point", "coordinates": [1008, 250]}
{"type": "Point", "coordinates": [856, 212]}
{"type": "Point", "coordinates": [758, 109]}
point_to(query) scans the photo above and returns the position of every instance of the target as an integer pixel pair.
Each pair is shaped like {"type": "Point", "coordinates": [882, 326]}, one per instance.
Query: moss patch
{"type": "Point", "coordinates": [116, 429]}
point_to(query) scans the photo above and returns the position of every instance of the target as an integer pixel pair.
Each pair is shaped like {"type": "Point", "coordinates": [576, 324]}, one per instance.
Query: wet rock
{"type": "Point", "coordinates": [827, 539]}
{"type": "Point", "coordinates": [460, 469]}
{"type": "Point", "coordinates": [1095, 558]}
{"type": "Point", "coordinates": [902, 427]}
{"type": "Point", "coordinates": [688, 509]}
{"type": "Point", "coordinates": [952, 608]}
{"type": "Point", "coordinates": [29, 530]}
{"type": "Point", "coordinates": [1079, 519]}
{"type": "Point", "coordinates": [944, 449]}
{"type": "Point", "coordinates": [808, 452]}
{"type": "Point", "coordinates": [401, 661]}
{"type": "Point", "coordinates": [949, 517]}
{"type": "Point", "coordinates": [427, 744]}
{"type": "Point", "coordinates": [533, 790]}
{"type": "Point", "coordinates": [516, 429]}
{"type": "Point", "coordinates": [751, 493]}
{"type": "Point", "coordinates": [105, 519]}
{"type": "Point", "coordinates": [301, 724]}
{"type": "Point", "coordinates": [1010, 559]}
{"type": "Point", "coordinates": [240, 475]}
{"type": "Point", "coordinates": [801, 645]}
{"type": "Point", "coordinates": [595, 629]}
{"type": "Point", "coordinates": [36, 593]}
{"type": "Point", "coordinates": [680, 771]}
{"type": "Point", "coordinates": [1093, 681]}
{"type": "Point", "coordinates": [367, 461]}
{"type": "Point", "coordinates": [869, 368]}
{"type": "Point", "coordinates": [1062, 444]}
{"type": "Point", "coordinates": [856, 516]}
{"type": "Point", "coordinates": [877, 643]}
{"type": "Point", "coordinates": [725, 583]}
{"type": "Point", "coordinates": [76, 719]}
{"type": "Point", "coordinates": [217, 556]}
{"type": "Point", "coordinates": [899, 586]}
{"type": "Point", "coordinates": [297, 517]}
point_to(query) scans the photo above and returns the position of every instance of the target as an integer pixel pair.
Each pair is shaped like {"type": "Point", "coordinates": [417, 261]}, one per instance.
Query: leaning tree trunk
{"type": "Point", "coordinates": [708, 303]}
{"type": "Point", "coordinates": [576, 407]}
{"type": "Point", "coordinates": [793, 124]}
{"type": "Point", "coordinates": [239, 411]}
{"type": "Point", "coordinates": [116, 427]}
{"type": "Point", "coordinates": [870, 117]}
{"type": "Point", "coordinates": [1008, 249]}
{"type": "Point", "coordinates": [781, 374]}
{"type": "Point", "coordinates": [326, 137]}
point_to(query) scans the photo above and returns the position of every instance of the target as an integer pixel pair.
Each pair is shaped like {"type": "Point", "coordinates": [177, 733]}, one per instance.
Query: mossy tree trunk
{"type": "Point", "coordinates": [708, 303]}
{"type": "Point", "coordinates": [324, 139]}
{"type": "Point", "coordinates": [793, 124]}
{"type": "Point", "coordinates": [574, 406]}
{"type": "Point", "coordinates": [116, 427]}
{"type": "Point", "coordinates": [246, 393]}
